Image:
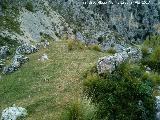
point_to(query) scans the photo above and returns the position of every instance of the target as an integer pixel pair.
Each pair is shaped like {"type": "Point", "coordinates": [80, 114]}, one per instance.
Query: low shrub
{"type": "Point", "coordinates": [155, 56]}
{"type": "Point", "coordinates": [152, 60]}
{"type": "Point", "coordinates": [124, 94]}
{"type": "Point", "coordinates": [79, 110]}
{"type": "Point", "coordinates": [152, 42]}
{"type": "Point", "coordinates": [74, 44]}
{"type": "Point", "coordinates": [144, 51]}
{"type": "Point", "coordinates": [95, 47]}
{"type": "Point", "coordinates": [111, 51]}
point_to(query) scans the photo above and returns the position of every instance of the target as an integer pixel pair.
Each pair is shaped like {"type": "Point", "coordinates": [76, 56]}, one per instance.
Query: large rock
{"type": "Point", "coordinates": [109, 63]}
{"type": "Point", "coordinates": [12, 113]}
{"type": "Point", "coordinates": [80, 37]}
{"type": "Point", "coordinates": [135, 54]}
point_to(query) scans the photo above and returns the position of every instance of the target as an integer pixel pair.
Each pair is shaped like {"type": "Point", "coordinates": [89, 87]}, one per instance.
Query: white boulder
{"type": "Point", "coordinates": [12, 113]}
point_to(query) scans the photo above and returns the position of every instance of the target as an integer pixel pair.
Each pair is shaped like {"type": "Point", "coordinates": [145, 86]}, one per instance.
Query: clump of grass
{"type": "Point", "coordinates": [152, 42]}
{"type": "Point", "coordinates": [111, 50]}
{"type": "Point", "coordinates": [95, 47]}
{"type": "Point", "coordinates": [152, 60]}
{"type": "Point", "coordinates": [79, 110]}
{"type": "Point", "coordinates": [74, 44]}
{"type": "Point", "coordinates": [156, 54]}
{"type": "Point", "coordinates": [144, 50]}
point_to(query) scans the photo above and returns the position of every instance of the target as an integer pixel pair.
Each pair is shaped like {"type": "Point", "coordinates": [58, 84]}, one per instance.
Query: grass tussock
{"type": "Point", "coordinates": [75, 44]}
{"type": "Point", "coordinates": [152, 41]}
{"type": "Point", "coordinates": [111, 51]}
{"type": "Point", "coordinates": [79, 110]}
{"type": "Point", "coordinates": [95, 47]}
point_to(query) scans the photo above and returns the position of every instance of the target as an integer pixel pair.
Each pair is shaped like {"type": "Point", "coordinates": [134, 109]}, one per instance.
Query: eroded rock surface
{"type": "Point", "coordinates": [109, 63]}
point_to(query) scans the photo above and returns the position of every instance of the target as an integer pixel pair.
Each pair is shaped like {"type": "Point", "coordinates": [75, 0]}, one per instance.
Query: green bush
{"type": "Point", "coordinates": [152, 42]}
{"type": "Point", "coordinates": [125, 94]}
{"type": "Point", "coordinates": [74, 44]}
{"type": "Point", "coordinates": [144, 52]}
{"type": "Point", "coordinates": [95, 47]}
{"type": "Point", "coordinates": [111, 50]}
{"type": "Point", "coordinates": [29, 6]}
{"type": "Point", "coordinates": [155, 56]}
{"type": "Point", "coordinates": [79, 110]}
{"type": "Point", "coordinates": [153, 60]}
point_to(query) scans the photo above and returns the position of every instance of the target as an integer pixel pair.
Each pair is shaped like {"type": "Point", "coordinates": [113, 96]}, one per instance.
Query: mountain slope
{"type": "Point", "coordinates": [45, 88]}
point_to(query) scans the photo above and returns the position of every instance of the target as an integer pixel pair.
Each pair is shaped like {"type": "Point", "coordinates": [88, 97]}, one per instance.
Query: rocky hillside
{"type": "Point", "coordinates": [110, 24]}
{"type": "Point", "coordinates": [31, 21]}
{"type": "Point", "coordinates": [133, 20]}
{"type": "Point", "coordinates": [56, 53]}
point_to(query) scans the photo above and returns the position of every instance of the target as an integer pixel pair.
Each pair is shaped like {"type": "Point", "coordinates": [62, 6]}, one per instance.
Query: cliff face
{"type": "Point", "coordinates": [31, 21]}
{"type": "Point", "coordinates": [134, 20]}
{"type": "Point", "coordinates": [131, 20]}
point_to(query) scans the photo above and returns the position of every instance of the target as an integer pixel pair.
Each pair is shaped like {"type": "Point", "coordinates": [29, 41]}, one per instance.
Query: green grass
{"type": "Point", "coordinates": [46, 88]}
{"type": "Point", "coordinates": [153, 41]}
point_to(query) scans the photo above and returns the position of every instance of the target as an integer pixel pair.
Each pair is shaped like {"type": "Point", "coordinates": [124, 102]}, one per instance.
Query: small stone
{"type": "Point", "coordinates": [44, 57]}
